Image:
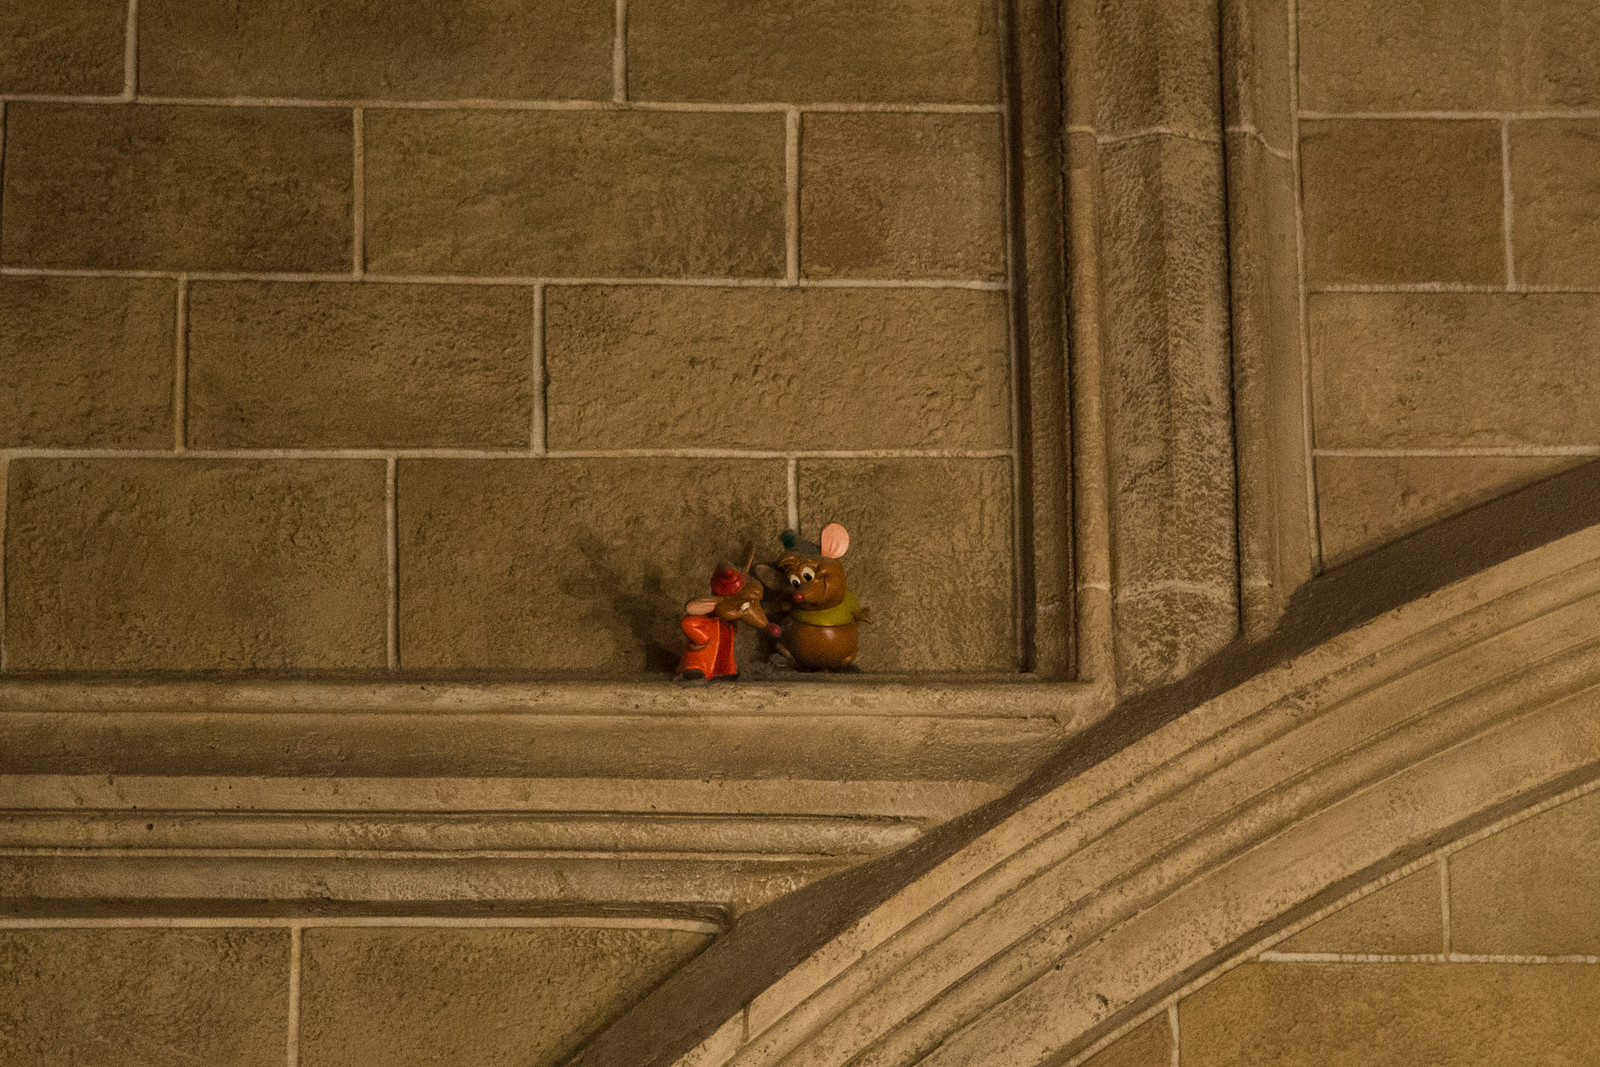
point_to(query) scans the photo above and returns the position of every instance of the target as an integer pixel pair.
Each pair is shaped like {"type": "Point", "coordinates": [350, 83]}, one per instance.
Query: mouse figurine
{"type": "Point", "coordinates": [821, 631]}
{"type": "Point", "coordinates": [709, 624]}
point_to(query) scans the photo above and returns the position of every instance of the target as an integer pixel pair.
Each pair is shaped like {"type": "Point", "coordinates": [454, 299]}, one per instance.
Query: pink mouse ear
{"type": "Point", "coordinates": [835, 540]}
{"type": "Point", "coordinates": [702, 606]}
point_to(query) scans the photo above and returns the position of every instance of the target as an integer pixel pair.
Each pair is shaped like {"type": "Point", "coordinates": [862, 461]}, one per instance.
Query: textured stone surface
{"type": "Point", "coordinates": [1532, 889]}
{"type": "Point", "coordinates": [575, 193]}
{"type": "Point", "coordinates": [65, 46]}
{"type": "Point", "coordinates": [87, 362]}
{"type": "Point", "coordinates": [1269, 407]}
{"type": "Point", "coordinates": [901, 51]}
{"type": "Point", "coordinates": [1158, 67]}
{"type": "Point", "coordinates": [149, 564]}
{"type": "Point", "coordinates": [1257, 76]}
{"type": "Point", "coordinates": [1553, 54]}
{"type": "Point", "coordinates": [1555, 187]}
{"type": "Point", "coordinates": [1337, 1014]}
{"type": "Point", "coordinates": [569, 564]}
{"type": "Point", "coordinates": [1374, 55]}
{"type": "Point", "coordinates": [1367, 501]}
{"type": "Point", "coordinates": [671, 366]}
{"type": "Point", "coordinates": [1432, 369]}
{"type": "Point", "coordinates": [153, 997]}
{"type": "Point", "coordinates": [1402, 918]}
{"type": "Point", "coordinates": [413, 49]}
{"type": "Point", "coordinates": [496, 998]}
{"type": "Point", "coordinates": [1148, 1045]}
{"type": "Point", "coordinates": [1402, 201]}
{"type": "Point", "coordinates": [930, 555]}
{"type": "Point", "coordinates": [182, 188]}
{"type": "Point", "coordinates": [902, 196]}
{"type": "Point", "coordinates": [1169, 399]}
{"type": "Point", "coordinates": [337, 365]}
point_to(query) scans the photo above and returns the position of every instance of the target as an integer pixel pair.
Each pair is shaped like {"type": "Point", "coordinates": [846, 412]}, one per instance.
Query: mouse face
{"type": "Point", "coordinates": [812, 582]}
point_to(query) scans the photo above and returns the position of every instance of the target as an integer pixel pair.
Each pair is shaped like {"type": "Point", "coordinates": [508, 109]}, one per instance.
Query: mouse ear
{"type": "Point", "coordinates": [835, 540]}
{"type": "Point", "coordinates": [768, 574]}
{"type": "Point", "coordinates": [701, 605]}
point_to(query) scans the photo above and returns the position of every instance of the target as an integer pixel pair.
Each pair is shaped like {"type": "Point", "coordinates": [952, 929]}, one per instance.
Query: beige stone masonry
{"type": "Point", "coordinates": [67, 46]}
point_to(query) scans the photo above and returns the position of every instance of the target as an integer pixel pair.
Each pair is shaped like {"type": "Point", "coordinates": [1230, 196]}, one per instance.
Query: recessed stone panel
{"type": "Point", "coordinates": [1403, 918]}
{"type": "Point", "coordinates": [1555, 187]}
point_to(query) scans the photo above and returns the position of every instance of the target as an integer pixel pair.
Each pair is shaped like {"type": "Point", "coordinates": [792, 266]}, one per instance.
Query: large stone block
{"type": "Point", "coordinates": [1421, 370]}
{"type": "Point", "coordinates": [1357, 1014]}
{"type": "Point", "coordinates": [1364, 502]}
{"type": "Point", "coordinates": [575, 193]}
{"type": "Point", "coordinates": [1257, 82]}
{"type": "Point", "coordinates": [180, 188]}
{"type": "Point", "coordinates": [902, 196]}
{"type": "Point", "coordinates": [341, 365]}
{"type": "Point", "coordinates": [1376, 55]}
{"type": "Point", "coordinates": [818, 368]}
{"type": "Point", "coordinates": [87, 362]}
{"type": "Point", "coordinates": [1403, 918]}
{"type": "Point", "coordinates": [66, 46]}
{"type": "Point", "coordinates": [1555, 187]}
{"type": "Point", "coordinates": [158, 564]}
{"type": "Point", "coordinates": [153, 997]}
{"type": "Point", "coordinates": [931, 554]}
{"type": "Point", "coordinates": [371, 49]}
{"type": "Point", "coordinates": [1403, 201]}
{"type": "Point", "coordinates": [1553, 54]}
{"type": "Point", "coordinates": [1147, 1045]}
{"type": "Point", "coordinates": [491, 997]}
{"type": "Point", "coordinates": [579, 565]}
{"type": "Point", "coordinates": [898, 51]}
{"type": "Point", "coordinates": [1531, 889]}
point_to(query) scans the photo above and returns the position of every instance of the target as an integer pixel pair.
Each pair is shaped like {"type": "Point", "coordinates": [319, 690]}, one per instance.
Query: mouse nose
{"type": "Point", "coordinates": [774, 629]}
{"type": "Point", "coordinates": [798, 597]}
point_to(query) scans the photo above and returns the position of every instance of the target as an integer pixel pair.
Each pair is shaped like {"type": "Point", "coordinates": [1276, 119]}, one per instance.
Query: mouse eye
{"type": "Point", "coordinates": [794, 580]}
{"type": "Point", "coordinates": [808, 574]}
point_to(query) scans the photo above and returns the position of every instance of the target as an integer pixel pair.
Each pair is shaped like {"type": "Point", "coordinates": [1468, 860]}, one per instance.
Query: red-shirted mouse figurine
{"type": "Point", "coordinates": [708, 623]}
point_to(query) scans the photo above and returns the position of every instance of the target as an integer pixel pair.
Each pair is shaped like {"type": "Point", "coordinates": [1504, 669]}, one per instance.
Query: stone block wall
{"type": "Point", "coordinates": [1448, 164]}
{"type": "Point", "coordinates": [1486, 951]}
{"type": "Point", "coordinates": [431, 336]}
{"type": "Point", "coordinates": [260, 993]}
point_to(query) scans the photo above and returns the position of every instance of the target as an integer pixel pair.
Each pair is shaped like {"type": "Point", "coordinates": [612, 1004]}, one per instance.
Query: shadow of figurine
{"type": "Point", "coordinates": [635, 607]}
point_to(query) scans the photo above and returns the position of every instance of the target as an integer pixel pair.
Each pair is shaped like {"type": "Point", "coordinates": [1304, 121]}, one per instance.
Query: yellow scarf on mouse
{"type": "Point", "coordinates": [840, 614]}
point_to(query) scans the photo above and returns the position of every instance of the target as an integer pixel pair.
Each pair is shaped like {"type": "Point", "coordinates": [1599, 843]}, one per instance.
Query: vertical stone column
{"type": "Point", "coordinates": [1145, 144]}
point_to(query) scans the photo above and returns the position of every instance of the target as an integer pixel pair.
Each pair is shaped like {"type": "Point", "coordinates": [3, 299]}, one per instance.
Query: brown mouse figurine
{"type": "Point", "coordinates": [820, 634]}
{"type": "Point", "coordinates": [708, 623]}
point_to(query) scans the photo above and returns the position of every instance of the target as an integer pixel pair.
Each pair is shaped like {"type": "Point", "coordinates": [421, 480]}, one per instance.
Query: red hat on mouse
{"type": "Point", "coordinates": [727, 580]}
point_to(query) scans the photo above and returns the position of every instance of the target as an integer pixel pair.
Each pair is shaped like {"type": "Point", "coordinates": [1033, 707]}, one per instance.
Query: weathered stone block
{"type": "Point", "coordinates": [1553, 54]}
{"type": "Point", "coordinates": [1372, 55]}
{"type": "Point", "coordinates": [161, 997]}
{"type": "Point", "coordinates": [87, 362]}
{"type": "Point", "coordinates": [1257, 72]}
{"type": "Point", "coordinates": [340, 365]}
{"type": "Point", "coordinates": [1148, 1045]}
{"type": "Point", "coordinates": [930, 555]}
{"type": "Point", "coordinates": [1364, 502]}
{"type": "Point", "coordinates": [180, 188]}
{"type": "Point", "coordinates": [369, 49]}
{"type": "Point", "coordinates": [902, 196]}
{"type": "Point", "coordinates": [1403, 918]}
{"type": "Point", "coordinates": [1555, 186]}
{"type": "Point", "coordinates": [575, 193]}
{"type": "Point", "coordinates": [65, 46]}
{"type": "Point", "coordinates": [776, 368]}
{"type": "Point", "coordinates": [1423, 370]}
{"type": "Point", "coordinates": [580, 565]}
{"type": "Point", "coordinates": [1356, 1014]}
{"type": "Point", "coordinates": [500, 998]}
{"type": "Point", "coordinates": [1402, 201]}
{"type": "Point", "coordinates": [157, 564]}
{"type": "Point", "coordinates": [1533, 888]}
{"type": "Point", "coordinates": [898, 51]}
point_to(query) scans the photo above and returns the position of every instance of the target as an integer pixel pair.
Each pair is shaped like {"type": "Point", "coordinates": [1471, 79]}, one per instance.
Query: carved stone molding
{"type": "Point", "coordinates": [1107, 892]}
